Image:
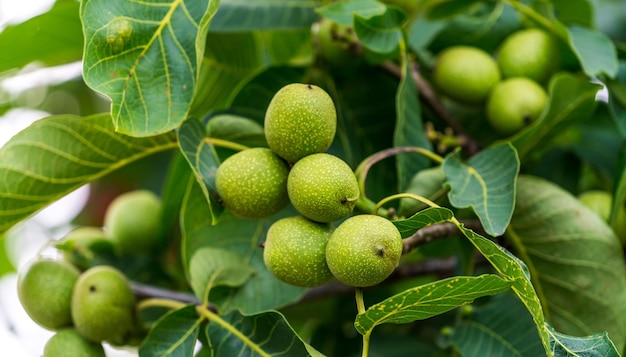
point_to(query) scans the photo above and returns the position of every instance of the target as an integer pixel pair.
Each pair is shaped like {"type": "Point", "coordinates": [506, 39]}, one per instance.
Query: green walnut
{"type": "Point", "coordinates": [68, 342]}
{"type": "Point", "coordinates": [103, 306]}
{"type": "Point", "coordinates": [82, 246]}
{"type": "Point", "coordinates": [45, 291]}
{"type": "Point", "coordinates": [336, 43]}
{"type": "Point", "coordinates": [364, 250]}
{"type": "Point", "coordinates": [300, 120]}
{"type": "Point", "coordinates": [322, 187]}
{"type": "Point", "coordinates": [133, 220]}
{"type": "Point", "coordinates": [530, 53]}
{"type": "Point", "coordinates": [514, 104]}
{"type": "Point", "coordinates": [295, 251]}
{"type": "Point", "coordinates": [601, 202]}
{"type": "Point", "coordinates": [466, 74]}
{"type": "Point", "coordinates": [253, 183]}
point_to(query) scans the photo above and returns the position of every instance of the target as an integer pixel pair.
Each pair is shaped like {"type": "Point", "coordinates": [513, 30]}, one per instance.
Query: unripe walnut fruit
{"type": "Point", "coordinates": [364, 250]}
{"type": "Point", "coordinates": [253, 183]}
{"type": "Point", "coordinates": [103, 306]}
{"type": "Point", "coordinates": [300, 120]}
{"type": "Point", "coordinates": [466, 74]}
{"type": "Point", "coordinates": [295, 251]}
{"type": "Point", "coordinates": [322, 187]}
{"type": "Point", "coordinates": [68, 342]}
{"type": "Point", "coordinates": [45, 291]}
{"type": "Point", "coordinates": [515, 103]}
{"type": "Point", "coordinates": [531, 53]}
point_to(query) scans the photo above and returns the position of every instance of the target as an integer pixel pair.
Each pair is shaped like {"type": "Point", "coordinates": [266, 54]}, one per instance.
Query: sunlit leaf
{"type": "Point", "coordinates": [145, 56]}
{"type": "Point", "coordinates": [574, 258]}
{"type": "Point", "coordinates": [486, 183]}
{"type": "Point", "coordinates": [42, 39]}
{"type": "Point", "coordinates": [173, 335]}
{"type": "Point", "coordinates": [409, 130]}
{"type": "Point", "coordinates": [203, 160]}
{"type": "Point", "coordinates": [429, 300]}
{"type": "Point", "coordinates": [56, 155]}
{"type": "Point", "coordinates": [263, 334]}
{"type": "Point", "coordinates": [380, 33]}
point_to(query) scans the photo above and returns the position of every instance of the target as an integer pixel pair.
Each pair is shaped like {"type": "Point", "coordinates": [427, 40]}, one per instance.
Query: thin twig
{"type": "Point", "coordinates": [430, 98]}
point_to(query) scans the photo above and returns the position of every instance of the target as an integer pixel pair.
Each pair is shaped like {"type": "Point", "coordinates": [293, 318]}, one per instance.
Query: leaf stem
{"type": "Point", "coordinates": [361, 171]}
{"type": "Point", "coordinates": [160, 302]}
{"type": "Point", "coordinates": [210, 315]}
{"type": "Point", "coordinates": [226, 144]}
{"type": "Point", "coordinates": [535, 16]}
{"type": "Point", "coordinates": [422, 199]}
{"type": "Point", "coordinates": [360, 307]}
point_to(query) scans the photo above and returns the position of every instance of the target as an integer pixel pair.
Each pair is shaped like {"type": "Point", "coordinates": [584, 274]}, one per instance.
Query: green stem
{"type": "Point", "coordinates": [528, 11]}
{"type": "Point", "coordinates": [210, 315]}
{"type": "Point", "coordinates": [226, 144]}
{"type": "Point", "coordinates": [360, 307]}
{"type": "Point", "coordinates": [361, 171]}
{"type": "Point", "coordinates": [414, 196]}
{"type": "Point", "coordinates": [160, 302]}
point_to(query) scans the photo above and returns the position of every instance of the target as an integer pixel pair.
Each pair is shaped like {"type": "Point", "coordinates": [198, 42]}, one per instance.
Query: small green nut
{"type": "Point", "coordinates": [253, 183]}
{"type": "Point", "coordinates": [68, 342]}
{"type": "Point", "coordinates": [466, 74]}
{"type": "Point", "coordinates": [364, 250]}
{"type": "Point", "coordinates": [133, 221]}
{"type": "Point", "coordinates": [322, 187]}
{"type": "Point", "coordinates": [300, 120]}
{"type": "Point", "coordinates": [103, 306]}
{"type": "Point", "coordinates": [81, 246]}
{"type": "Point", "coordinates": [601, 203]}
{"type": "Point", "coordinates": [336, 43]}
{"type": "Point", "coordinates": [531, 53]}
{"type": "Point", "coordinates": [295, 251]}
{"type": "Point", "coordinates": [514, 104]}
{"type": "Point", "coordinates": [45, 291]}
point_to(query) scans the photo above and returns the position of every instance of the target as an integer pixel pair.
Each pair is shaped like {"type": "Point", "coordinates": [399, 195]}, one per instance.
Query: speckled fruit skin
{"type": "Point", "coordinates": [364, 250]}
{"type": "Point", "coordinates": [466, 74]}
{"type": "Point", "coordinates": [515, 103]}
{"type": "Point", "coordinates": [133, 221]}
{"type": "Point", "coordinates": [68, 342]}
{"type": "Point", "coordinates": [45, 291]}
{"type": "Point", "coordinates": [253, 183]}
{"type": "Point", "coordinates": [77, 245]}
{"type": "Point", "coordinates": [322, 187]}
{"type": "Point", "coordinates": [103, 306]}
{"type": "Point", "coordinates": [300, 120]}
{"type": "Point", "coordinates": [295, 251]}
{"type": "Point", "coordinates": [530, 53]}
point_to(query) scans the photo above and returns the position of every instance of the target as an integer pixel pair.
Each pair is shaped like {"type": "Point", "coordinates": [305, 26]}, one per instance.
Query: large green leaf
{"type": "Point", "coordinates": [574, 258]}
{"type": "Point", "coordinates": [501, 326]}
{"type": "Point", "coordinates": [203, 160]}
{"type": "Point", "coordinates": [145, 57]}
{"type": "Point", "coordinates": [263, 334]}
{"type": "Point", "coordinates": [173, 335]}
{"type": "Point", "coordinates": [408, 227]}
{"type": "Point", "coordinates": [572, 99]}
{"type": "Point", "coordinates": [53, 38]}
{"type": "Point", "coordinates": [595, 51]}
{"type": "Point", "coordinates": [409, 129]}
{"type": "Point", "coordinates": [380, 33]}
{"type": "Point", "coordinates": [429, 300]}
{"type": "Point", "coordinates": [505, 263]}
{"type": "Point", "coordinates": [240, 237]}
{"type": "Point", "coordinates": [245, 15]}
{"type": "Point", "coordinates": [486, 183]}
{"type": "Point", "coordinates": [233, 59]}
{"type": "Point", "coordinates": [56, 155]}
{"type": "Point", "coordinates": [617, 98]}
{"type": "Point", "coordinates": [598, 345]}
